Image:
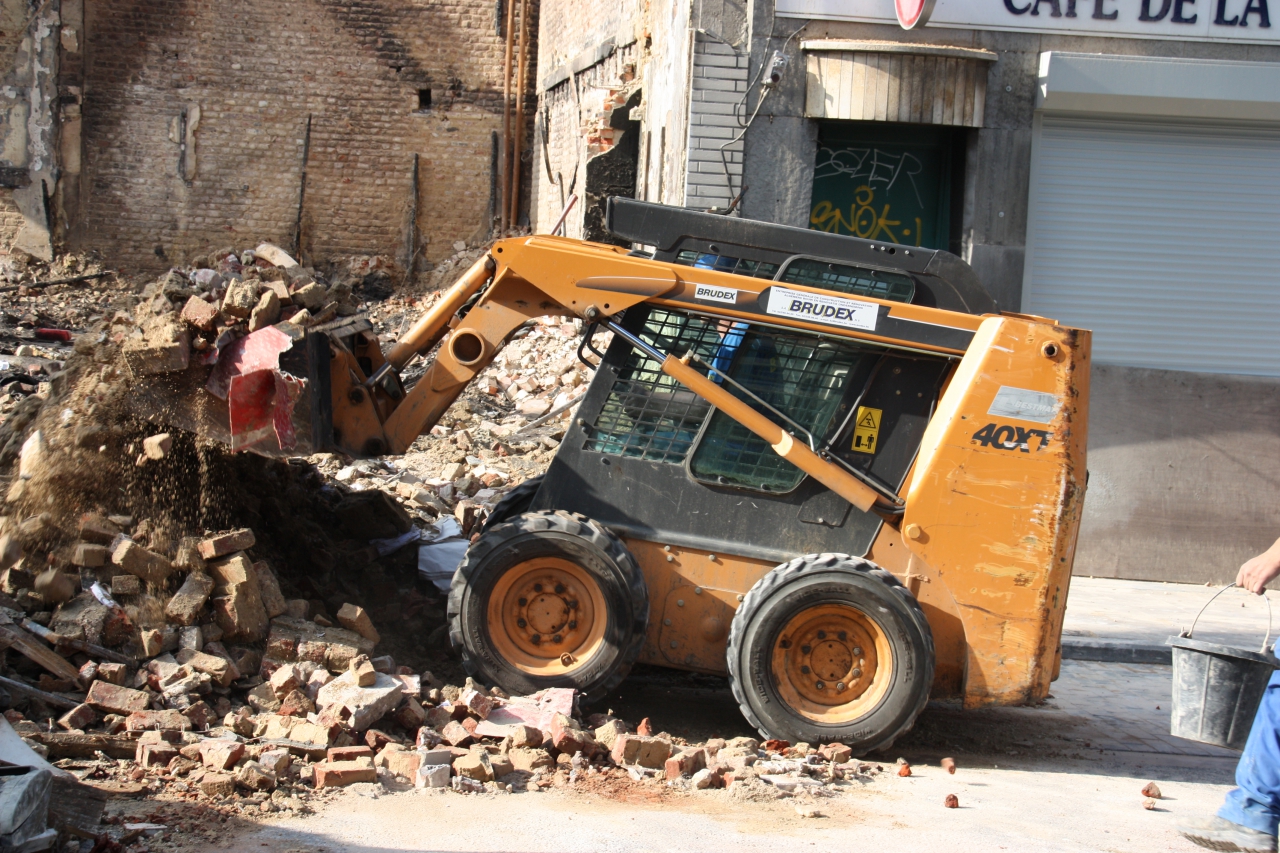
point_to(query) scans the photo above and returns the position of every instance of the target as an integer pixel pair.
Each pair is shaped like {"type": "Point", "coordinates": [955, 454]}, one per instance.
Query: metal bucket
{"type": "Point", "coordinates": [1217, 688]}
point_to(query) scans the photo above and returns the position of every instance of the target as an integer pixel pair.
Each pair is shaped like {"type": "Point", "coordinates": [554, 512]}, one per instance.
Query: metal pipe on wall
{"type": "Point", "coordinates": [514, 214]}
{"type": "Point", "coordinates": [506, 111]}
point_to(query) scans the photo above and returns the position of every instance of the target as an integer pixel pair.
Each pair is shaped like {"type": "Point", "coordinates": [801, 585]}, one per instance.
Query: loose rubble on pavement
{"type": "Point", "coordinates": [243, 634]}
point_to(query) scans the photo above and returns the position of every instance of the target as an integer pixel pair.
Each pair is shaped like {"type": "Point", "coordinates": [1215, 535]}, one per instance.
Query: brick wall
{"type": "Point", "coordinates": [573, 116]}
{"type": "Point", "coordinates": [718, 87]}
{"type": "Point", "coordinates": [256, 70]}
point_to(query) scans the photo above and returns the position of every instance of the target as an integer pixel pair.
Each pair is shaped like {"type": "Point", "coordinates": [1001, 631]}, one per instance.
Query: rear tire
{"type": "Point", "coordinates": [831, 648]}
{"type": "Point", "coordinates": [549, 599]}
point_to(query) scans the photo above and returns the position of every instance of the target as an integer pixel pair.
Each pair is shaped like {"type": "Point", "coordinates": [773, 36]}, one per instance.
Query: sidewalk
{"type": "Point", "coordinates": [1119, 620]}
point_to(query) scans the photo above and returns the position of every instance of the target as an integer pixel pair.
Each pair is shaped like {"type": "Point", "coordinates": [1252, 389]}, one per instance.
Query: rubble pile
{"type": "Point", "coordinates": [246, 632]}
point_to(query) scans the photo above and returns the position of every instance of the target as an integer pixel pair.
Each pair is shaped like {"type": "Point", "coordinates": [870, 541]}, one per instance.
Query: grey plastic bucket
{"type": "Point", "coordinates": [1217, 688]}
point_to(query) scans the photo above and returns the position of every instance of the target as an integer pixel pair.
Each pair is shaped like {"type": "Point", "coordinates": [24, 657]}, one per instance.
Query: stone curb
{"type": "Point", "coordinates": [1116, 651]}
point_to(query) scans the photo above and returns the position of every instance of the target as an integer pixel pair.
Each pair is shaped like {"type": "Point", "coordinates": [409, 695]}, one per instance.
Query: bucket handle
{"type": "Point", "coordinates": [1192, 629]}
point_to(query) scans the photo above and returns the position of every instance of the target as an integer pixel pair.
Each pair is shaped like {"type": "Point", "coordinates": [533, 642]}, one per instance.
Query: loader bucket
{"type": "Point", "coordinates": [268, 393]}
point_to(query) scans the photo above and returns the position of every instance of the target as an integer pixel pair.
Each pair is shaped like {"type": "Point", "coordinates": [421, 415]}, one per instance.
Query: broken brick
{"type": "Point", "coordinates": [188, 602]}
{"type": "Point", "coordinates": [219, 669]}
{"type": "Point", "coordinates": [136, 560]}
{"type": "Point", "coordinates": [78, 717]}
{"type": "Point", "coordinates": [157, 447]}
{"type": "Point", "coordinates": [126, 585]}
{"type": "Point", "coordinates": [226, 543]}
{"type": "Point", "coordinates": [567, 737]}
{"type": "Point", "coordinates": [141, 721]}
{"type": "Point", "coordinates": [355, 618]}
{"type": "Point", "coordinates": [200, 314]}
{"type": "Point", "coordinates": [295, 703]}
{"type": "Point", "coordinates": [337, 774]}
{"type": "Point", "coordinates": [477, 703]}
{"type": "Point", "coordinates": [115, 699]}
{"type": "Point", "coordinates": [97, 530]}
{"type": "Point", "coordinates": [112, 673]}
{"type": "Point", "coordinates": [255, 777]}
{"type": "Point", "coordinates": [455, 734]}
{"type": "Point", "coordinates": [153, 754]}
{"type": "Point", "coordinates": [221, 754]}
{"type": "Point", "coordinates": [269, 589]}
{"type": "Point", "coordinates": [285, 680]}
{"type": "Point", "coordinates": [348, 753]}
{"type": "Point", "coordinates": [89, 555]}
{"type": "Point", "coordinates": [217, 785]}
{"type": "Point", "coordinates": [474, 765]}
{"type": "Point", "coordinates": [685, 763]}
{"type": "Point", "coordinates": [645, 751]}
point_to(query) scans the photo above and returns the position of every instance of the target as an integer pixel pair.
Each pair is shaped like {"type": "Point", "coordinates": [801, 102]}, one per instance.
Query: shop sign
{"type": "Point", "coordinates": [1187, 20]}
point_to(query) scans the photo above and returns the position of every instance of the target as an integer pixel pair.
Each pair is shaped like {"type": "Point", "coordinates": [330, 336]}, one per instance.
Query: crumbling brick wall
{"type": "Point", "coordinates": [256, 71]}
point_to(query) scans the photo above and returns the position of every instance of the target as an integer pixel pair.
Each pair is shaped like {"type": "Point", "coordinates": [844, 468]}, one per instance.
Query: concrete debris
{"type": "Point", "coordinates": [260, 630]}
{"type": "Point", "coordinates": [953, 802]}
{"type": "Point", "coordinates": [1152, 790]}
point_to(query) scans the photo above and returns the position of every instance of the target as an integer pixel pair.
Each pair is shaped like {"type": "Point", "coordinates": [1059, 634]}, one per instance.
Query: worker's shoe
{"type": "Point", "coordinates": [1218, 833]}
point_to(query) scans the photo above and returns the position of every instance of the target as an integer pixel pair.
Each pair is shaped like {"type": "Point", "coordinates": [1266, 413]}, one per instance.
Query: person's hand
{"type": "Point", "coordinates": [1257, 572]}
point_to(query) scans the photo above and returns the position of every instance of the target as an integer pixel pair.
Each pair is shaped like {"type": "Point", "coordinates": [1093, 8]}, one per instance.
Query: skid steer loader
{"type": "Point", "coordinates": [826, 467]}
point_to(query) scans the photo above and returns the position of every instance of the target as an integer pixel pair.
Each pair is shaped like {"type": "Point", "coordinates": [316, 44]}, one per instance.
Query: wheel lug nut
{"type": "Point", "coordinates": [857, 651]}
{"type": "Point", "coordinates": [857, 673]}
{"type": "Point", "coordinates": [785, 644]}
{"type": "Point", "coordinates": [524, 602]}
{"type": "Point", "coordinates": [822, 635]}
{"type": "Point", "coordinates": [557, 638]}
{"type": "Point", "coordinates": [521, 623]}
{"type": "Point", "coordinates": [820, 685]}
{"type": "Point", "coordinates": [840, 685]}
{"type": "Point", "coordinates": [559, 588]}
{"type": "Point", "coordinates": [573, 624]}
{"type": "Point", "coordinates": [806, 649]}
{"type": "Point", "coordinates": [573, 605]}
{"type": "Point", "coordinates": [537, 587]}
{"type": "Point", "coordinates": [805, 670]}
{"type": "Point", "coordinates": [843, 635]}
{"type": "Point", "coordinates": [536, 638]}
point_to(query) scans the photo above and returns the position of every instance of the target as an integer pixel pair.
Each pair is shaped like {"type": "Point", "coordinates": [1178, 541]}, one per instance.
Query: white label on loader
{"type": "Point", "coordinates": [1025, 405]}
{"type": "Point", "coordinates": [727, 295]}
{"type": "Point", "coordinates": [835, 310]}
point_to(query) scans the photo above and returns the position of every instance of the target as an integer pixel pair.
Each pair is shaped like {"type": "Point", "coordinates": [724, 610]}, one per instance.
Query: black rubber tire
{"type": "Point", "coordinates": [583, 542]}
{"type": "Point", "coordinates": [830, 579]}
{"type": "Point", "coordinates": [513, 503]}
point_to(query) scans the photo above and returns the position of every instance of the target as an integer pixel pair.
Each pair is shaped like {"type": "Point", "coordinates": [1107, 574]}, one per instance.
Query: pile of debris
{"type": "Point", "coordinates": [224, 627]}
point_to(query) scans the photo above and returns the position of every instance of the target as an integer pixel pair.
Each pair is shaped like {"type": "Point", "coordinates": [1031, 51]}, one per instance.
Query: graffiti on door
{"type": "Point", "coordinates": [887, 192]}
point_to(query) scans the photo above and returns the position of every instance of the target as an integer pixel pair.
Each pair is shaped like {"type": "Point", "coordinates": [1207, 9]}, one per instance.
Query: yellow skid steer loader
{"type": "Point", "coordinates": [826, 467]}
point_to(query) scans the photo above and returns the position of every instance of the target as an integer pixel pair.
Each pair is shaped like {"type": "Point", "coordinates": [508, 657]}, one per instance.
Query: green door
{"type": "Point", "coordinates": [883, 181]}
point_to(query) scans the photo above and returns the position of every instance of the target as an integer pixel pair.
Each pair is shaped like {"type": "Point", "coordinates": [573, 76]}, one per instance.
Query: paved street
{"type": "Point", "coordinates": [1064, 776]}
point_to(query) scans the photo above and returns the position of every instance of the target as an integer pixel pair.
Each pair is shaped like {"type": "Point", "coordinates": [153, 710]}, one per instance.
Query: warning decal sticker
{"type": "Point", "coordinates": [1025, 405]}
{"type": "Point", "coordinates": [818, 307]}
{"type": "Point", "coordinates": [866, 429]}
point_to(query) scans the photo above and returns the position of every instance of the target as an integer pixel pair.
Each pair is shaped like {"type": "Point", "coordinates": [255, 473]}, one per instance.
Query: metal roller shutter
{"type": "Point", "coordinates": [1164, 239]}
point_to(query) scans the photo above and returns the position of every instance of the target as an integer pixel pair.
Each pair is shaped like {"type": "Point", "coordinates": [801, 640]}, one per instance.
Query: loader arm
{"type": "Point", "coordinates": [525, 278]}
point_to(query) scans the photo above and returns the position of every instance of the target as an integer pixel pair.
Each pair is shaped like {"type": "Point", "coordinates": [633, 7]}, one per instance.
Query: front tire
{"type": "Point", "coordinates": [549, 599]}
{"type": "Point", "coordinates": [831, 648]}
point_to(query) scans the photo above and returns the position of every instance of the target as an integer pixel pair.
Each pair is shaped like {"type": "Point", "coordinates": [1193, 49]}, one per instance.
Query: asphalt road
{"type": "Point", "coordinates": [1065, 776]}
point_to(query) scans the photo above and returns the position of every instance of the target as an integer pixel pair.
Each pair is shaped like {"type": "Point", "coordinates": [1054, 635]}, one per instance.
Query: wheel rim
{"type": "Point", "coordinates": [547, 616]}
{"type": "Point", "coordinates": [832, 663]}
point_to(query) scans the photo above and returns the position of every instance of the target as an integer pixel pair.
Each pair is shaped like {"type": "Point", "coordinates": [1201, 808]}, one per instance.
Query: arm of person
{"type": "Point", "coordinates": [1256, 573]}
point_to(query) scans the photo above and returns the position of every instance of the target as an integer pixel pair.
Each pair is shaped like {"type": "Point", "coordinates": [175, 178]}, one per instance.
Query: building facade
{"type": "Point", "coordinates": [153, 131]}
{"type": "Point", "coordinates": [1113, 164]}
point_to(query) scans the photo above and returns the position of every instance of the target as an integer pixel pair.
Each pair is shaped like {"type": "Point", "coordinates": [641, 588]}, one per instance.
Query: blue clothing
{"type": "Point", "coordinates": [1256, 802]}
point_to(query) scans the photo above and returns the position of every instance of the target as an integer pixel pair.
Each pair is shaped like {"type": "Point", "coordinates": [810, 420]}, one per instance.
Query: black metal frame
{"type": "Point", "coordinates": [942, 279]}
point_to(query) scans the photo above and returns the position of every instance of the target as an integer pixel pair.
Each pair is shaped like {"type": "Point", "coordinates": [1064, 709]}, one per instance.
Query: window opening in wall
{"type": "Point", "coordinates": [424, 100]}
